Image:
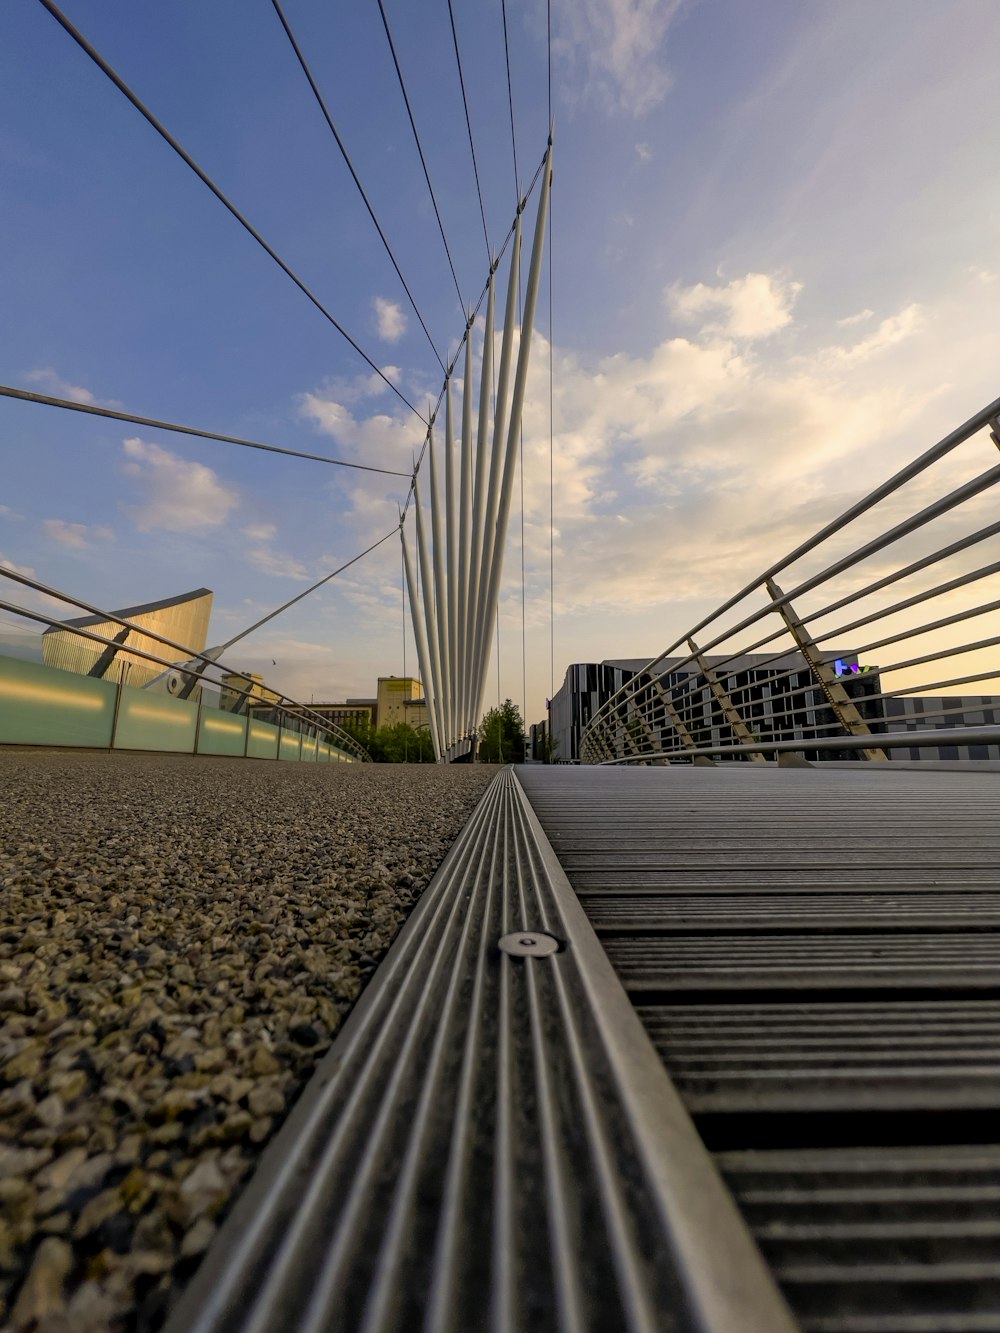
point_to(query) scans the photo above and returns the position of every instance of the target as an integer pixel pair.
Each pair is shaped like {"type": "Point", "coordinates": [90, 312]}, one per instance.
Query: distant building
{"type": "Point", "coordinates": [395, 693]}
{"type": "Point", "coordinates": [182, 619]}
{"type": "Point", "coordinates": [778, 698]}
{"type": "Point", "coordinates": [399, 699]}
{"type": "Point", "coordinates": [936, 712]}
{"type": "Point", "coordinates": [356, 714]}
{"type": "Point", "coordinates": [242, 690]}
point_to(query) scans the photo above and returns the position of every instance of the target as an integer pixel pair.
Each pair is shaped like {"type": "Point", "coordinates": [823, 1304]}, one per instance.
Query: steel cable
{"type": "Point", "coordinates": [423, 160]}
{"type": "Point", "coordinates": [354, 175]}
{"type": "Point", "coordinates": [185, 157]}
{"type": "Point", "coordinates": [25, 396]}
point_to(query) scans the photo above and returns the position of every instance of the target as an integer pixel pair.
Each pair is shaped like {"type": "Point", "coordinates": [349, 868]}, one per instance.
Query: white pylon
{"type": "Point", "coordinates": [460, 575]}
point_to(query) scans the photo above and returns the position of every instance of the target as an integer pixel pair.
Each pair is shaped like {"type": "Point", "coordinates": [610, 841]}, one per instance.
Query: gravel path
{"type": "Point", "coordinates": [180, 939]}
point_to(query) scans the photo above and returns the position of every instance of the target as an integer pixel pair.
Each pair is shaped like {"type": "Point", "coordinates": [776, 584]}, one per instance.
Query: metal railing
{"type": "Point", "coordinates": [881, 620]}
{"type": "Point", "coordinates": [185, 672]}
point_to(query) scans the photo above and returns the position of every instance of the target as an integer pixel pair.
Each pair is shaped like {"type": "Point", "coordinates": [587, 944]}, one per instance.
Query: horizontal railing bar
{"type": "Point", "coordinates": [955, 548]}
{"type": "Point", "coordinates": [924, 516]}
{"type": "Point", "coordinates": [911, 740]}
{"type": "Point", "coordinates": [894, 483]}
{"type": "Point", "coordinates": [279, 705]}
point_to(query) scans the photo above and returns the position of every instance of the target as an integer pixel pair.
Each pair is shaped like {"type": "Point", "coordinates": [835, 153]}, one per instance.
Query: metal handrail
{"type": "Point", "coordinates": [283, 703]}
{"type": "Point", "coordinates": [727, 700]}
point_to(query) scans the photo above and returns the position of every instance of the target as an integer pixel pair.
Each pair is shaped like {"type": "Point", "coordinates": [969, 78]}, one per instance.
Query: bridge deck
{"type": "Point", "coordinates": [493, 1142]}
{"type": "Point", "coordinates": [814, 953]}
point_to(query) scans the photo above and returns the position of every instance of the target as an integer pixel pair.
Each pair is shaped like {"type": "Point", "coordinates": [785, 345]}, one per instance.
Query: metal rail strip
{"type": "Point", "coordinates": [491, 1143]}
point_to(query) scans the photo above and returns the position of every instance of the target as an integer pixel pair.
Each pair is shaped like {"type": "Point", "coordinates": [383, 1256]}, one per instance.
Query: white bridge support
{"type": "Point", "coordinates": [453, 606]}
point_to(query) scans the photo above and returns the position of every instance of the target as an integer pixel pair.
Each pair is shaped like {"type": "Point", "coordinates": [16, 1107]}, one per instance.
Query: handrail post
{"type": "Point", "coordinates": [729, 709]}
{"type": "Point", "coordinates": [829, 682]}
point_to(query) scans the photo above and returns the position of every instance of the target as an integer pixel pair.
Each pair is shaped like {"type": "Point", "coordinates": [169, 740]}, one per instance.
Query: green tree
{"type": "Point", "coordinates": [397, 744]}
{"type": "Point", "coordinates": [546, 747]}
{"type": "Point", "coordinates": [501, 735]}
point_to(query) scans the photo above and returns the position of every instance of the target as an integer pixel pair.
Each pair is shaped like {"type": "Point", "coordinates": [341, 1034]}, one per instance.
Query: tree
{"type": "Point", "coordinates": [546, 747]}
{"type": "Point", "coordinates": [501, 735]}
{"type": "Point", "coordinates": [398, 744]}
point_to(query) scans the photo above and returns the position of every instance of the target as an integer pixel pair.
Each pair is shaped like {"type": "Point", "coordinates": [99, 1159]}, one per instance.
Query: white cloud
{"type": "Point", "coordinates": [643, 152]}
{"type": "Point", "coordinates": [49, 380]}
{"type": "Point", "coordinates": [77, 536]}
{"type": "Point", "coordinates": [178, 496]}
{"type": "Point", "coordinates": [895, 329]}
{"type": "Point", "coordinates": [277, 563]}
{"type": "Point", "coordinates": [7, 512]}
{"type": "Point", "coordinates": [260, 532]}
{"type": "Point", "coordinates": [26, 570]}
{"type": "Point", "coordinates": [860, 318]}
{"type": "Point", "coordinates": [754, 306]}
{"type": "Point", "coordinates": [28, 597]}
{"type": "Point", "coordinates": [390, 319]}
{"type": "Point", "coordinates": [614, 51]}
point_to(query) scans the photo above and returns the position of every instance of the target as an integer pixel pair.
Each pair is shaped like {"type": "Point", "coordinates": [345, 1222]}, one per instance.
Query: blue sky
{"type": "Point", "coordinates": [775, 274]}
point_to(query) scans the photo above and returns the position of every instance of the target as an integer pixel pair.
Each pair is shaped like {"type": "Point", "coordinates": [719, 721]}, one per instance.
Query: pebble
{"type": "Point", "coordinates": [180, 939]}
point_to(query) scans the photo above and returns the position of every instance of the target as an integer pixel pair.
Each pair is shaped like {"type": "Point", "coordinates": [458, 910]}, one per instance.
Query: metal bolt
{"type": "Point", "coordinates": [522, 945]}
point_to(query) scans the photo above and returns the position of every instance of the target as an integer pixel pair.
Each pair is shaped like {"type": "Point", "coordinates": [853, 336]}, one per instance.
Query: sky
{"type": "Point", "coordinates": [775, 275]}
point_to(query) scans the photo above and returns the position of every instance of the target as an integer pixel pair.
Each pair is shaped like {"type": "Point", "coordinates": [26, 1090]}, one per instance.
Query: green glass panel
{"type": "Point", "coordinates": [221, 733]}
{"type": "Point", "coordinates": [148, 721]}
{"type": "Point", "coordinates": [309, 747]}
{"type": "Point", "coordinates": [262, 742]}
{"type": "Point", "coordinates": [289, 748]}
{"type": "Point", "coordinates": [42, 705]}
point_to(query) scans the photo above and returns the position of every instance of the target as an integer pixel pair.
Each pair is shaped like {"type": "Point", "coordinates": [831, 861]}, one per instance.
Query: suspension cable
{"type": "Point", "coordinates": [326, 579]}
{"type": "Point", "coordinates": [185, 157]}
{"type": "Point", "coordinates": [468, 125]}
{"type": "Point", "coordinates": [552, 563]}
{"type": "Point", "coordinates": [510, 100]}
{"type": "Point", "coordinates": [354, 175]}
{"type": "Point", "coordinates": [23, 395]}
{"type": "Point", "coordinates": [423, 160]}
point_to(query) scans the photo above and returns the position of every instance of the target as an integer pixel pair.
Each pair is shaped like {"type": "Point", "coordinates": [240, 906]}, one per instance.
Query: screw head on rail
{"type": "Point", "coordinates": [528, 944]}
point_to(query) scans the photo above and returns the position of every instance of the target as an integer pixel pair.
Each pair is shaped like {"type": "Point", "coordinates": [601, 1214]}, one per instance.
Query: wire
{"type": "Point", "coordinates": [23, 395]}
{"type": "Point", "coordinates": [326, 579]}
{"type": "Point", "coordinates": [164, 134]}
{"type": "Point", "coordinates": [468, 125]}
{"type": "Point", "coordinates": [552, 556]}
{"type": "Point", "coordinates": [423, 160]}
{"type": "Point", "coordinates": [354, 175]}
{"type": "Point", "coordinates": [476, 309]}
{"type": "Point", "coordinates": [548, 48]}
{"type": "Point", "coordinates": [552, 563]}
{"type": "Point", "coordinates": [510, 102]}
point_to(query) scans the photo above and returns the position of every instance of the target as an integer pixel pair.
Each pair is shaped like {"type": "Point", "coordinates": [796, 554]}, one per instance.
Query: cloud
{"type": "Point", "coordinates": [178, 496]}
{"type": "Point", "coordinates": [614, 51]}
{"type": "Point", "coordinates": [895, 329]}
{"type": "Point", "coordinates": [77, 536]}
{"type": "Point", "coordinates": [390, 319]}
{"type": "Point", "coordinates": [7, 512]}
{"type": "Point", "coordinates": [754, 306]}
{"type": "Point", "coordinates": [260, 532]}
{"type": "Point", "coordinates": [860, 318]}
{"type": "Point", "coordinates": [277, 564]}
{"type": "Point", "coordinates": [48, 379]}
{"type": "Point", "coordinates": [28, 597]}
{"type": "Point", "coordinates": [643, 152]}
